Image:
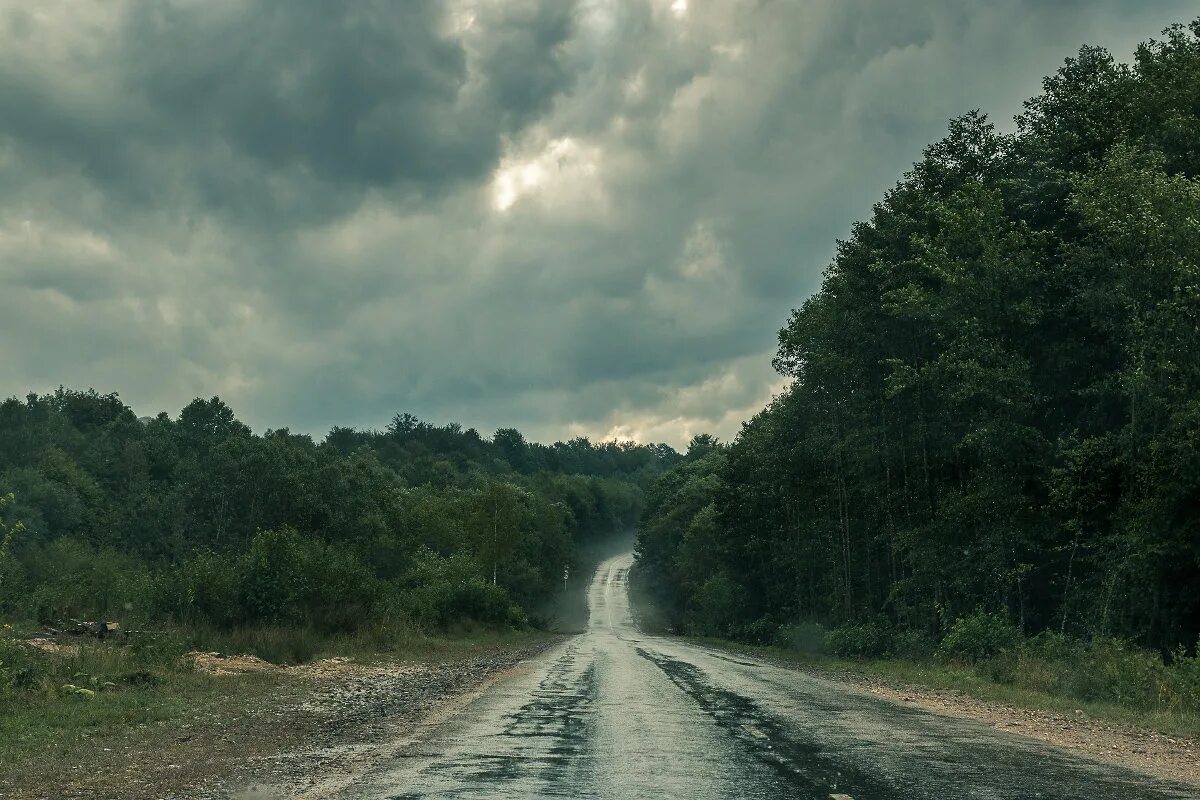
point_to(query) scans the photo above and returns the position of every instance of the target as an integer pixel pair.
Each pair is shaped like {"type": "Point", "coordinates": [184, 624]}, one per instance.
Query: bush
{"type": "Point", "coordinates": [1103, 671]}
{"type": "Point", "coordinates": [276, 580]}
{"type": "Point", "coordinates": [1051, 646]}
{"type": "Point", "coordinates": [288, 645]}
{"type": "Point", "coordinates": [72, 579]}
{"type": "Point", "coordinates": [762, 631]}
{"type": "Point", "coordinates": [912, 644]}
{"type": "Point", "coordinates": [862, 640]}
{"type": "Point", "coordinates": [203, 589]}
{"type": "Point", "coordinates": [804, 637]}
{"type": "Point", "coordinates": [1113, 671]}
{"type": "Point", "coordinates": [439, 591]}
{"type": "Point", "coordinates": [1184, 673]}
{"type": "Point", "coordinates": [283, 579]}
{"type": "Point", "coordinates": [716, 607]}
{"type": "Point", "coordinates": [979, 636]}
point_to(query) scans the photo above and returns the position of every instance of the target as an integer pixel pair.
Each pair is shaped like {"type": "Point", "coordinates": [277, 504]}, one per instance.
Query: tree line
{"type": "Point", "coordinates": [995, 406]}
{"type": "Point", "coordinates": [196, 520]}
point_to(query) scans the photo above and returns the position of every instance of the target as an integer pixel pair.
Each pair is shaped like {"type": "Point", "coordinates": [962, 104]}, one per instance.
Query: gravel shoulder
{"type": "Point", "coordinates": [1139, 749]}
{"type": "Point", "coordinates": [362, 715]}
{"type": "Point", "coordinates": [1150, 752]}
{"type": "Point", "coordinates": [273, 732]}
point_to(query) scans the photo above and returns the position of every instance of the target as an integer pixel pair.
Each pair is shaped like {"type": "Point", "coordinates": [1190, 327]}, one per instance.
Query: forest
{"type": "Point", "coordinates": [197, 522]}
{"type": "Point", "coordinates": [993, 425]}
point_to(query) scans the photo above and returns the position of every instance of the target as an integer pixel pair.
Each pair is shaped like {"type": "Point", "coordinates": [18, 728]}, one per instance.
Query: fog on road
{"type": "Point", "coordinates": [615, 713]}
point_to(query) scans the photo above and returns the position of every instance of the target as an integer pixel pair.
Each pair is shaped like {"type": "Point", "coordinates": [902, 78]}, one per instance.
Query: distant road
{"type": "Point", "coordinates": [618, 714]}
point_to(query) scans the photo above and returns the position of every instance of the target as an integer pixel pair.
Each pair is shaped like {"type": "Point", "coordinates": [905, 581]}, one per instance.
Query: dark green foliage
{"type": "Point", "coordinates": [807, 638]}
{"type": "Point", "coordinates": [1102, 671]}
{"type": "Point", "coordinates": [199, 522]}
{"type": "Point", "coordinates": [993, 428]}
{"type": "Point", "coordinates": [441, 591]}
{"type": "Point", "coordinates": [979, 636]}
{"type": "Point", "coordinates": [860, 640]}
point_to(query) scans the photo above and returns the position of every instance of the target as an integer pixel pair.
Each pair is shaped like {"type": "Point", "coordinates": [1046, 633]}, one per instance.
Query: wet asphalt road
{"type": "Point", "coordinates": [618, 714]}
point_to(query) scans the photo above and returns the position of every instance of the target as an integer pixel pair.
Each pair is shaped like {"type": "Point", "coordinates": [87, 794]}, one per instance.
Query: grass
{"type": "Point", "coordinates": [123, 692]}
{"type": "Point", "coordinates": [143, 704]}
{"type": "Point", "coordinates": [55, 736]}
{"type": "Point", "coordinates": [973, 681]}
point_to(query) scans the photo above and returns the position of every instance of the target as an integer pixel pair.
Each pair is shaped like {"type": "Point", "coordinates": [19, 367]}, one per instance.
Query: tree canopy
{"type": "Point", "coordinates": [199, 519]}
{"type": "Point", "coordinates": [996, 392]}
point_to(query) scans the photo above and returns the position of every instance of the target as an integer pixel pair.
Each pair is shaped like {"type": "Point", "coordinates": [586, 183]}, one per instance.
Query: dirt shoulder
{"type": "Point", "coordinates": [1136, 748]}
{"type": "Point", "coordinates": [1175, 758]}
{"type": "Point", "coordinates": [258, 726]}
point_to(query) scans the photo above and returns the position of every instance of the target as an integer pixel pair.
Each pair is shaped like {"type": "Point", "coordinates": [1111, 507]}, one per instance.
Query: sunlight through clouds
{"type": "Point", "coordinates": [536, 213]}
{"type": "Point", "coordinates": [564, 171]}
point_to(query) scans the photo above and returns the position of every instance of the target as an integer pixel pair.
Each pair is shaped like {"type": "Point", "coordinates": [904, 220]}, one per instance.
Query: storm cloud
{"type": "Point", "coordinates": [573, 217]}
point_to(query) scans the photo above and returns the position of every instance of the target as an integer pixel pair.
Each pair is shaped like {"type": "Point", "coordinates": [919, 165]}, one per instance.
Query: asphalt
{"type": "Point", "coordinates": [615, 713]}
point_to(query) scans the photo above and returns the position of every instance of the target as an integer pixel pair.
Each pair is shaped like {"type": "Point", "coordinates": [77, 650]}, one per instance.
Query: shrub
{"type": "Point", "coordinates": [289, 645]}
{"type": "Point", "coordinates": [202, 589]}
{"type": "Point", "coordinates": [1051, 646]}
{"type": "Point", "coordinates": [803, 637]}
{"type": "Point", "coordinates": [72, 579]}
{"type": "Point", "coordinates": [979, 636]}
{"type": "Point", "coordinates": [912, 644]}
{"type": "Point", "coordinates": [276, 580]}
{"type": "Point", "coordinates": [344, 591]}
{"type": "Point", "coordinates": [14, 664]}
{"type": "Point", "coordinates": [716, 607]}
{"type": "Point", "coordinates": [1113, 671]}
{"type": "Point", "coordinates": [861, 640]}
{"type": "Point", "coordinates": [438, 591]}
{"type": "Point", "coordinates": [762, 631]}
{"type": "Point", "coordinates": [1184, 674]}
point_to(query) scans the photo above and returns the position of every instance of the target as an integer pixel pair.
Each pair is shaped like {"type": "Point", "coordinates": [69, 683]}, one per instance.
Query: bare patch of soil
{"type": "Point", "coordinates": [219, 664]}
{"type": "Point", "coordinates": [53, 646]}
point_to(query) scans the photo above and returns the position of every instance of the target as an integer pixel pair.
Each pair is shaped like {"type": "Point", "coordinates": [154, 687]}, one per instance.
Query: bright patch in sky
{"type": "Point", "coordinates": [194, 210]}
{"type": "Point", "coordinates": [561, 165]}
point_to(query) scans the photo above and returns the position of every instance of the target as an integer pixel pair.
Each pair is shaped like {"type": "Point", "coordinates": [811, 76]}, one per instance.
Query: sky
{"type": "Point", "coordinates": [573, 218]}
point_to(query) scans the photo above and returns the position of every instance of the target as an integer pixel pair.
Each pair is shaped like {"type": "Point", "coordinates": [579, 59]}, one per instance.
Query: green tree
{"type": "Point", "coordinates": [497, 518]}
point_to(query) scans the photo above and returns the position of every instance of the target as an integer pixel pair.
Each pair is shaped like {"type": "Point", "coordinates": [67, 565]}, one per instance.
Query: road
{"type": "Point", "coordinates": [615, 713]}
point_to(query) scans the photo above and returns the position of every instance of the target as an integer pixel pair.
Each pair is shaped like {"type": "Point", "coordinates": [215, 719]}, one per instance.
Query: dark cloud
{"type": "Point", "coordinates": [575, 217]}
{"type": "Point", "coordinates": [268, 113]}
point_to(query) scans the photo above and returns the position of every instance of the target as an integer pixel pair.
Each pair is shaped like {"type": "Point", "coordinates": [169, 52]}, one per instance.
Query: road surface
{"type": "Point", "coordinates": [615, 713]}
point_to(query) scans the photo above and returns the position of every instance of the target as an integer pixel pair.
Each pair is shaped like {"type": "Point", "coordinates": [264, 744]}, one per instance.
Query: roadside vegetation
{"type": "Point", "coordinates": [988, 460]}
{"type": "Point", "coordinates": [194, 534]}
{"type": "Point", "coordinates": [124, 719]}
{"type": "Point", "coordinates": [1108, 679]}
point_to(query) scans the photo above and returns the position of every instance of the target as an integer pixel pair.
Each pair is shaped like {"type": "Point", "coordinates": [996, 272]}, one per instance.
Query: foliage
{"type": "Point", "coordinates": [862, 640]}
{"type": "Point", "coordinates": [806, 638]}
{"type": "Point", "coordinates": [979, 636]}
{"type": "Point", "coordinates": [994, 410]}
{"type": "Point", "coordinates": [1108, 671]}
{"type": "Point", "coordinates": [196, 522]}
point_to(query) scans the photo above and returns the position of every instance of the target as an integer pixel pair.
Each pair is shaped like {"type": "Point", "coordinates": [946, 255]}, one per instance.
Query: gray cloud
{"type": "Point", "coordinates": [572, 217]}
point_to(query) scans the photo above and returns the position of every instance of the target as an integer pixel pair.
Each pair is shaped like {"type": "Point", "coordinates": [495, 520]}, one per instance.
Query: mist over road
{"type": "Point", "coordinates": [615, 713]}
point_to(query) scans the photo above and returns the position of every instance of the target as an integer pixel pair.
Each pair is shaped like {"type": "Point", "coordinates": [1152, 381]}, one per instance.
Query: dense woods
{"type": "Point", "coordinates": [995, 413]}
{"type": "Point", "coordinates": [198, 521]}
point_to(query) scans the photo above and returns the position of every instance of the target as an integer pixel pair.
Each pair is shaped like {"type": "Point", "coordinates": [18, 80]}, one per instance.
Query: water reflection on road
{"type": "Point", "coordinates": [618, 714]}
